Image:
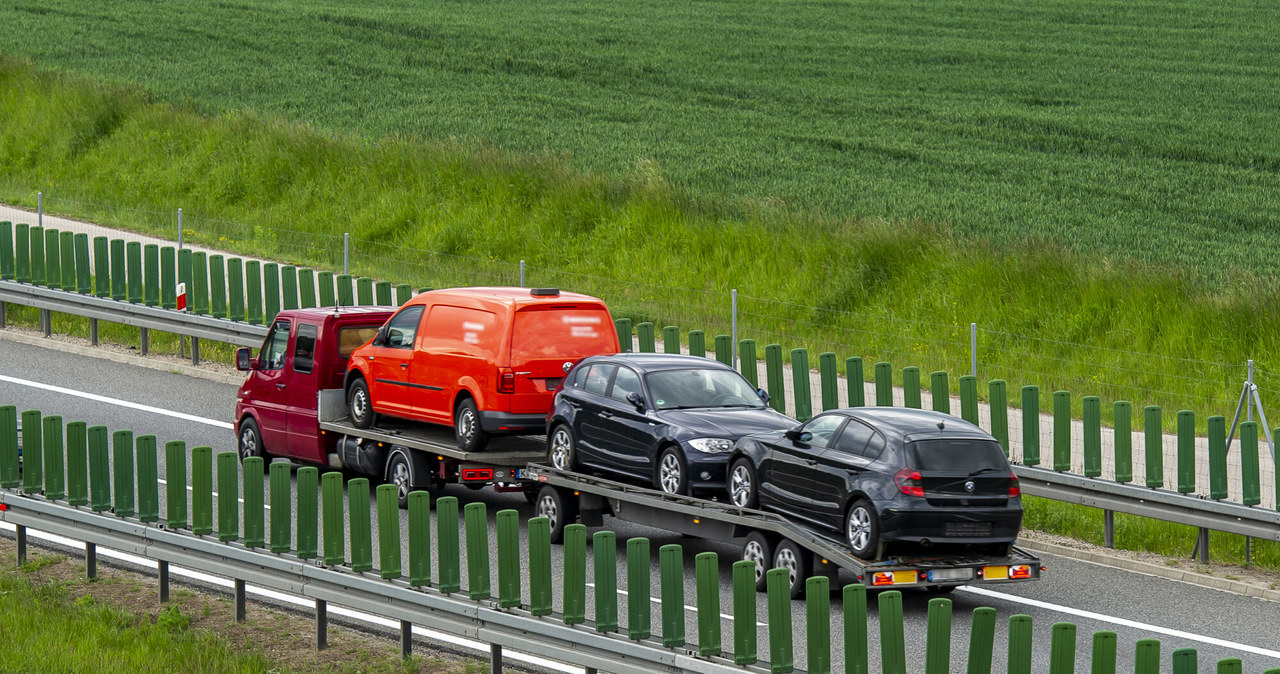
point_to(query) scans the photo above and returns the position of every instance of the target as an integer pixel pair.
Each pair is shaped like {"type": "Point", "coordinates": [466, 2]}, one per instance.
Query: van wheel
{"type": "Point", "coordinates": [758, 550]}
{"type": "Point", "coordinates": [251, 441]}
{"type": "Point", "coordinates": [360, 404]}
{"type": "Point", "coordinates": [400, 474]}
{"type": "Point", "coordinates": [795, 560]}
{"type": "Point", "coordinates": [559, 509]}
{"type": "Point", "coordinates": [466, 427]}
{"type": "Point", "coordinates": [672, 475]}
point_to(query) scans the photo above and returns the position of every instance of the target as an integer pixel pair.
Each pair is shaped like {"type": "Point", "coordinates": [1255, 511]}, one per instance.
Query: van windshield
{"type": "Point", "coordinates": [957, 455]}
{"type": "Point", "coordinates": [559, 332]}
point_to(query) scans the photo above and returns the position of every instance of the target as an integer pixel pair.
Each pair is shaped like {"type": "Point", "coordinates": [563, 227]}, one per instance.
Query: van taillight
{"type": "Point", "coordinates": [506, 380]}
{"type": "Point", "coordinates": [1015, 489]}
{"type": "Point", "coordinates": [909, 481]}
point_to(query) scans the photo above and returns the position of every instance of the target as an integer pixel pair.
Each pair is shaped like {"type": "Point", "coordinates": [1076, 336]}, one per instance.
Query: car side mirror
{"type": "Point", "coordinates": [797, 435]}
{"type": "Point", "coordinates": [244, 361]}
{"type": "Point", "coordinates": [380, 338]}
{"type": "Point", "coordinates": [764, 395]}
{"type": "Point", "coordinates": [637, 400]}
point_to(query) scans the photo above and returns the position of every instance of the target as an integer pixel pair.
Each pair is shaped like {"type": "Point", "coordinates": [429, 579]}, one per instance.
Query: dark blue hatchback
{"type": "Point", "coordinates": [665, 420]}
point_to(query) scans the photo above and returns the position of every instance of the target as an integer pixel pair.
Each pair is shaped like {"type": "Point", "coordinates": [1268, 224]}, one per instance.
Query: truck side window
{"type": "Point", "coordinates": [277, 344]}
{"type": "Point", "coordinates": [304, 348]}
{"type": "Point", "coordinates": [403, 327]}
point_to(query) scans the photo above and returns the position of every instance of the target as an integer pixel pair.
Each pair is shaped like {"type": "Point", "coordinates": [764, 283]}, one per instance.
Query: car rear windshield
{"type": "Point", "coordinates": [351, 338]}
{"type": "Point", "coordinates": [677, 389]}
{"type": "Point", "coordinates": [956, 455]}
{"type": "Point", "coordinates": [553, 332]}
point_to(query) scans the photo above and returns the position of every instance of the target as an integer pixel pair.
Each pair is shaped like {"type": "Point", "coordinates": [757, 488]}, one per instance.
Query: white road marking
{"type": "Point", "coordinates": [115, 401]}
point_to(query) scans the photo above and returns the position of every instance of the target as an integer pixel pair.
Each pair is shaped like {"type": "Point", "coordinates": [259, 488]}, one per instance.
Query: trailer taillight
{"type": "Point", "coordinates": [506, 380]}
{"type": "Point", "coordinates": [477, 474]}
{"type": "Point", "coordinates": [1019, 572]}
{"type": "Point", "coordinates": [4, 507]}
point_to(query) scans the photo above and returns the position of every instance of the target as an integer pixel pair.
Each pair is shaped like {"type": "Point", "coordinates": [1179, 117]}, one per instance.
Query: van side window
{"type": "Point", "coordinates": [625, 382]}
{"type": "Point", "coordinates": [275, 347]}
{"type": "Point", "coordinates": [403, 327]}
{"type": "Point", "coordinates": [304, 348]}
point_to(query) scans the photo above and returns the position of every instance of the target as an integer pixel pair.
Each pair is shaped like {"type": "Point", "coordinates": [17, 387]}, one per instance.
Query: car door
{"type": "Point", "coordinates": [836, 469]}
{"type": "Point", "coordinates": [588, 426]}
{"type": "Point", "coordinates": [790, 465]}
{"type": "Point", "coordinates": [392, 390]}
{"type": "Point", "coordinates": [625, 432]}
{"type": "Point", "coordinates": [273, 387]}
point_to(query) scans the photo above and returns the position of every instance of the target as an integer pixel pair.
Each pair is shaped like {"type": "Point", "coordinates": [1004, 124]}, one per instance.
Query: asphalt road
{"type": "Point", "coordinates": [1218, 624]}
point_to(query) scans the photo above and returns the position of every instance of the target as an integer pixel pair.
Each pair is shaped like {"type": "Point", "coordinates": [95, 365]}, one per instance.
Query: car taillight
{"type": "Point", "coordinates": [1015, 489]}
{"type": "Point", "coordinates": [506, 380]}
{"type": "Point", "coordinates": [909, 482]}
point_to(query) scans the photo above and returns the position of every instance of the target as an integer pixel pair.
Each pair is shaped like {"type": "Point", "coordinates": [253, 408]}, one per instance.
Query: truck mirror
{"type": "Point", "coordinates": [243, 360]}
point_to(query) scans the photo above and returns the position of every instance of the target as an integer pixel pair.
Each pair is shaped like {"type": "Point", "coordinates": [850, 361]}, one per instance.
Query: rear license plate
{"type": "Point", "coordinates": [995, 572]}
{"type": "Point", "coordinates": [967, 529]}
{"type": "Point", "coordinates": [939, 575]}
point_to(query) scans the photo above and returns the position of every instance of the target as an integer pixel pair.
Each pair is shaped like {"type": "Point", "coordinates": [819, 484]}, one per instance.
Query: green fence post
{"type": "Point", "coordinates": [1154, 446]}
{"type": "Point", "coordinates": [22, 253]}
{"type": "Point", "coordinates": [270, 291]}
{"type": "Point", "coordinates": [893, 655]}
{"type": "Point", "coordinates": [447, 544]}
{"type": "Point", "coordinates": [911, 387]}
{"type": "Point", "coordinates": [67, 251]}
{"type": "Point", "coordinates": [101, 266]}
{"type": "Point", "coordinates": [83, 268]}
{"type": "Point", "coordinates": [133, 271]}
{"type": "Point", "coordinates": [228, 497]}
{"type": "Point", "coordinates": [254, 503]}
{"type": "Point", "coordinates": [151, 275]}
{"type": "Point", "coordinates": [99, 469]}
{"type": "Point", "coordinates": [982, 634]}
{"type": "Point", "coordinates": [1275, 459]}
{"type": "Point", "coordinates": [308, 504]}
{"type": "Point", "coordinates": [38, 259]}
{"type": "Point", "coordinates": [331, 510]}
{"type": "Point", "coordinates": [1062, 649]}
{"type": "Point", "coordinates": [623, 327]}
{"type": "Point", "coordinates": [186, 274]}
{"type": "Point", "coordinates": [1250, 479]}
{"type": "Point", "coordinates": [644, 337]}
{"type": "Point", "coordinates": [419, 538]}
{"type": "Point", "coordinates": [1019, 644]}
{"type": "Point", "coordinates": [235, 289]}
{"type": "Point", "coordinates": [32, 453]}
{"type": "Point", "coordinates": [253, 290]}
{"type": "Point", "coordinates": [175, 477]}
{"type": "Point", "coordinates": [698, 343]}
{"type": "Point", "coordinates": [202, 491]}
{"type": "Point", "coordinates": [671, 593]}
{"type": "Point", "coordinates": [78, 461]}
{"type": "Point", "coordinates": [773, 375]}
{"type": "Point", "coordinates": [1146, 657]}
{"type": "Point", "coordinates": [1185, 661]}
{"type": "Point", "coordinates": [1123, 439]}
{"type": "Point", "coordinates": [938, 637]}
{"type": "Point", "coordinates": [884, 384]}
{"type": "Point", "coordinates": [198, 291]}
{"type": "Point", "coordinates": [1061, 431]}
{"type": "Point", "coordinates": [359, 526]}
{"type": "Point", "coordinates": [55, 488]}
{"type": "Point", "coordinates": [404, 293]}
{"type": "Point", "coordinates": [281, 507]}
{"type": "Point", "coordinates": [1031, 425]}
{"type": "Point", "coordinates": [830, 381]}
{"type": "Point", "coordinates": [122, 470]}
{"type": "Point", "coordinates": [307, 288]}
{"type": "Point", "coordinates": [1186, 451]}
{"type": "Point", "coordinates": [6, 250]}
{"type": "Point", "coordinates": [343, 285]}
{"type": "Point", "coordinates": [706, 572]}
{"type": "Point", "coordinates": [574, 598]}
{"type": "Point", "coordinates": [508, 558]}
{"type": "Point", "coordinates": [940, 388]}
{"type": "Point", "coordinates": [855, 629]}
{"type": "Point", "coordinates": [148, 479]}
{"type": "Point", "coordinates": [168, 277]}
{"type": "Point", "coordinates": [9, 447]}
{"type": "Point", "coordinates": [724, 349]}
{"type": "Point", "coordinates": [969, 398]}
{"type": "Point", "coordinates": [217, 287]}
{"type": "Point", "coordinates": [1103, 658]}
{"type": "Point", "coordinates": [1230, 666]}
{"type": "Point", "coordinates": [540, 567]}
{"type": "Point", "coordinates": [289, 287]}
{"type": "Point", "coordinates": [800, 383]}
{"type": "Point", "coordinates": [1218, 457]}
{"type": "Point", "coordinates": [778, 587]}
{"type": "Point", "coordinates": [638, 588]}
{"type": "Point", "coordinates": [364, 291]}
{"type": "Point", "coordinates": [854, 381]}
{"type": "Point", "coordinates": [817, 601]}
{"type": "Point", "coordinates": [52, 259]}
{"type": "Point", "coordinates": [119, 282]}
{"type": "Point", "coordinates": [747, 361]}
{"type": "Point", "coordinates": [604, 558]}
{"type": "Point", "coordinates": [744, 612]}
{"type": "Point", "coordinates": [998, 392]}
{"type": "Point", "coordinates": [477, 525]}
{"type": "Point", "coordinates": [382, 294]}
{"type": "Point", "coordinates": [324, 281]}
{"type": "Point", "coordinates": [388, 531]}
{"type": "Point", "coordinates": [671, 339]}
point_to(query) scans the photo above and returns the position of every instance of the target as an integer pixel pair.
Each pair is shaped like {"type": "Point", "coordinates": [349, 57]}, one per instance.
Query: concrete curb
{"type": "Point", "coordinates": [137, 361]}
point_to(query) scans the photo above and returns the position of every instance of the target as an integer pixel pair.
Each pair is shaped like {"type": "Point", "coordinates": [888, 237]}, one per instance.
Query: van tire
{"type": "Point", "coordinates": [360, 404]}
{"type": "Point", "coordinates": [466, 427]}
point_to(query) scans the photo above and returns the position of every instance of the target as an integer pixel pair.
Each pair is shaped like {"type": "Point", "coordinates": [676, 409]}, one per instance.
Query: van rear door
{"type": "Point", "coordinates": [547, 340]}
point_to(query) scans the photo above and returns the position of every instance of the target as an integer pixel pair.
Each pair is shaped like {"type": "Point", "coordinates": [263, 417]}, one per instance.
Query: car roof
{"type": "Point", "coordinates": [906, 424]}
{"type": "Point", "coordinates": [650, 362]}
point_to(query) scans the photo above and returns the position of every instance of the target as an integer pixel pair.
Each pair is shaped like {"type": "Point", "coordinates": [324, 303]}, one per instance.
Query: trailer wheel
{"type": "Point", "coordinates": [758, 549]}
{"type": "Point", "coordinates": [862, 529]}
{"type": "Point", "coordinates": [359, 404]}
{"type": "Point", "coordinates": [400, 473]}
{"type": "Point", "coordinates": [795, 560]}
{"type": "Point", "coordinates": [560, 509]}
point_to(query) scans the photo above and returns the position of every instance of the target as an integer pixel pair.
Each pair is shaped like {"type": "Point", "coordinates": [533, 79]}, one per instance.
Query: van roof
{"type": "Point", "coordinates": [319, 313]}
{"type": "Point", "coordinates": [505, 295]}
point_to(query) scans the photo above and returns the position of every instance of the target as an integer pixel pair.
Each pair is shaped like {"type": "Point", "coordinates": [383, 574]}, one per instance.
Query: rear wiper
{"type": "Point", "coordinates": [984, 470]}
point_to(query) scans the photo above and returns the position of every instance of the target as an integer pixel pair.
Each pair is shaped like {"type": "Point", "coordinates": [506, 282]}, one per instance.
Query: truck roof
{"type": "Point", "coordinates": [319, 313]}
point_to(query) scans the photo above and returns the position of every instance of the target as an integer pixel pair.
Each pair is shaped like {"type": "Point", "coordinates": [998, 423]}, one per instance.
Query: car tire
{"type": "Point", "coordinates": [360, 404]}
{"type": "Point", "coordinates": [250, 443]}
{"type": "Point", "coordinates": [466, 427]}
{"type": "Point", "coordinates": [562, 451]}
{"type": "Point", "coordinates": [795, 559]}
{"type": "Point", "coordinates": [758, 549]}
{"type": "Point", "coordinates": [400, 474]}
{"type": "Point", "coordinates": [744, 489]}
{"type": "Point", "coordinates": [558, 507]}
{"type": "Point", "coordinates": [862, 529]}
{"type": "Point", "coordinates": [672, 473]}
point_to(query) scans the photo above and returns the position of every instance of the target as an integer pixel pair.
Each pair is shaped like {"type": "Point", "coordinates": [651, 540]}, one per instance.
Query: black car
{"type": "Point", "coordinates": [884, 475]}
{"type": "Point", "coordinates": [667, 420]}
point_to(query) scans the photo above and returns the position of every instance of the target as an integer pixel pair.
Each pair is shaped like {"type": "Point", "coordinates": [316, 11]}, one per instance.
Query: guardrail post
{"type": "Point", "coordinates": [364, 291]}
{"type": "Point", "coordinates": [331, 510]}
{"type": "Point", "coordinates": [1062, 649]}
{"type": "Point", "coordinates": [911, 388]}
{"type": "Point", "coordinates": [151, 271]}
{"type": "Point", "coordinates": [1250, 479]}
{"type": "Point", "coordinates": [998, 392]}
{"type": "Point", "coordinates": [1154, 446]}
{"type": "Point", "coordinates": [1019, 644]}
{"type": "Point", "coordinates": [148, 479]}
{"type": "Point", "coordinates": [32, 453]}
{"type": "Point", "coordinates": [773, 376]}
{"type": "Point", "coordinates": [706, 573]}
{"type": "Point", "coordinates": [1103, 658]}
{"type": "Point", "coordinates": [1146, 657]}
{"type": "Point", "coordinates": [447, 544]}
{"type": "Point", "coordinates": [1092, 413]}
{"type": "Point", "coordinates": [884, 384]}
{"type": "Point", "coordinates": [235, 289]}
{"type": "Point", "coordinates": [175, 475]}
{"type": "Point", "coordinates": [9, 447]}
{"type": "Point", "coordinates": [854, 381]}
{"type": "Point", "coordinates": [382, 294]}
{"type": "Point", "coordinates": [404, 292]}
{"type": "Point", "coordinates": [697, 343]}
{"type": "Point", "coordinates": [388, 531]}
{"type": "Point", "coordinates": [1031, 425]}
{"type": "Point", "coordinates": [1123, 439]}
{"type": "Point", "coordinates": [1185, 661]}
{"type": "Point", "coordinates": [477, 526]}
{"type": "Point", "coordinates": [540, 566]}
{"type": "Point", "coordinates": [671, 592]}
{"type": "Point", "coordinates": [969, 398]}
{"type": "Point", "coordinates": [724, 349]}
{"type": "Point", "coordinates": [122, 462]}
{"type": "Point", "coordinates": [747, 361]}
{"type": "Point", "coordinates": [55, 488]}
{"type": "Point", "coordinates": [343, 286]}
{"type": "Point", "coordinates": [168, 277]}
{"type": "Point", "coordinates": [22, 253]}
{"type": "Point", "coordinates": [270, 292]}
{"type": "Point", "coordinates": [778, 588]}
{"type": "Point", "coordinates": [830, 380]}
{"type": "Point", "coordinates": [938, 637]}
{"type": "Point", "coordinates": [604, 557]}
{"type": "Point", "coordinates": [645, 337]}
{"type": "Point", "coordinates": [306, 288]}
{"type": "Point", "coordinates": [1061, 431]}
{"type": "Point", "coordinates": [1186, 451]}
{"type": "Point", "coordinates": [99, 469]}
{"type": "Point", "coordinates": [253, 290]}
{"type": "Point", "coordinates": [324, 281]}
{"type": "Point", "coordinates": [800, 383]}
{"type": "Point", "coordinates": [202, 491]}
{"type": "Point", "coordinates": [817, 601]}
{"type": "Point", "coordinates": [419, 538]}
{"type": "Point", "coordinates": [78, 461]}
{"type": "Point", "coordinates": [289, 287]}
{"type": "Point", "coordinates": [359, 525]}
{"type": "Point", "coordinates": [893, 654]}
{"type": "Point", "coordinates": [198, 291]}
{"type": "Point", "coordinates": [508, 558]}
{"type": "Point", "coordinates": [228, 497]}
{"type": "Point", "coordinates": [66, 249]}
{"type": "Point", "coordinates": [254, 503]}
{"type": "Point", "coordinates": [84, 276]}
{"type": "Point", "coordinates": [982, 634]}
{"type": "Point", "coordinates": [1218, 457]}
{"type": "Point", "coordinates": [941, 391]}
{"type": "Point", "coordinates": [638, 588]}
{"type": "Point", "coordinates": [744, 613]}
{"type": "Point", "coordinates": [6, 250]}
{"type": "Point", "coordinates": [671, 339]}
{"type": "Point", "coordinates": [281, 507]}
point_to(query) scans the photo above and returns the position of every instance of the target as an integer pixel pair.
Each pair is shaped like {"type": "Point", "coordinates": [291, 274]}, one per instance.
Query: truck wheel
{"type": "Point", "coordinates": [672, 475]}
{"type": "Point", "coordinates": [561, 449]}
{"type": "Point", "coordinates": [559, 509]}
{"type": "Point", "coordinates": [758, 550]}
{"type": "Point", "coordinates": [862, 529]}
{"type": "Point", "coordinates": [795, 560]}
{"type": "Point", "coordinates": [251, 440]}
{"type": "Point", "coordinates": [466, 427]}
{"type": "Point", "coordinates": [400, 473]}
{"type": "Point", "coordinates": [360, 405]}
{"type": "Point", "coordinates": [743, 489]}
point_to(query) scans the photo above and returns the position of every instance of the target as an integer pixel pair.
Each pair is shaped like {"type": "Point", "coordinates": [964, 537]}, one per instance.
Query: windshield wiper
{"type": "Point", "coordinates": [983, 470]}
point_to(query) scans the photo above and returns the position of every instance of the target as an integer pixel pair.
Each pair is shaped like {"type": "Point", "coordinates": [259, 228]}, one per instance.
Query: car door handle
{"type": "Point", "coordinates": [404, 366]}
{"type": "Point", "coordinates": [606, 415]}
{"type": "Point", "coordinates": [810, 462]}
{"type": "Point", "coordinates": [280, 386]}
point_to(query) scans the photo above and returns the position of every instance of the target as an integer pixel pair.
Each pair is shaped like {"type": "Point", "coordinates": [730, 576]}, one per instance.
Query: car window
{"type": "Point", "coordinates": [625, 382]}
{"type": "Point", "coordinates": [875, 448]}
{"type": "Point", "coordinates": [854, 438]}
{"type": "Point", "coordinates": [403, 327]}
{"type": "Point", "coordinates": [597, 380]}
{"type": "Point", "coordinates": [822, 428]}
{"type": "Point", "coordinates": [958, 455]}
{"type": "Point", "coordinates": [701, 387]}
{"type": "Point", "coordinates": [304, 348]}
{"type": "Point", "coordinates": [275, 347]}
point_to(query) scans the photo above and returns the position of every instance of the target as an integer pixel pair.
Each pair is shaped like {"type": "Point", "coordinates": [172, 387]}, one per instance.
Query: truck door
{"type": "Point", "coordinates": [302, 387]}
{"type": "Point", "coordinates": [271, 394]}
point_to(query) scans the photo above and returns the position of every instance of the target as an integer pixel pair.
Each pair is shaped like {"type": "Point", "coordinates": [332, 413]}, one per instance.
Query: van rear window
{"type": "Point", "coordinates": [956, 455]}
{"type": "Point", "coordinates": [351, 338]}
{"type": "Point", "coordinates": [562, 333]}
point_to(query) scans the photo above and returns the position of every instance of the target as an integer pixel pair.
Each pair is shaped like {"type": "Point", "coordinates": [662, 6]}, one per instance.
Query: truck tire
{"type": "Point", "coordinates": [759, 550]}
{"type": "Point", "coordinates": [558, 507]}
{"type": "Point", "coordinates": [795, 559]}
{"type": "Point", "coordinates": [360, 405]}
{"type": "Point", "coordinates": [400, 474]}
{"type": "Point", "coordinates": [251, 441]}
{"type": "Point", "coordinates": [466, 427]}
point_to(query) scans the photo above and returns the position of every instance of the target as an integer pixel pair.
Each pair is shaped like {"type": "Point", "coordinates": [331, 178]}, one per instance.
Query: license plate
{"type": "Point", "coordinates": [939, 575]}
{"type": "Point", "coordinates": [517, 473]}
{"type": "Point", "coordinates": [967, 529]}
{"type": "Point", "coordinates": [995, 572]}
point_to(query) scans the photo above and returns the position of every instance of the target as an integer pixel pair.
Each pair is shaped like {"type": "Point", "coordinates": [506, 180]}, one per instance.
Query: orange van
{"type": "Point", "coordinates": [484, 360]}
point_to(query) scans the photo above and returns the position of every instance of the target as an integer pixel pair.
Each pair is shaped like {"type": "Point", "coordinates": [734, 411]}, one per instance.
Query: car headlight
{"type": "Point", "coordinates": [711, 445]}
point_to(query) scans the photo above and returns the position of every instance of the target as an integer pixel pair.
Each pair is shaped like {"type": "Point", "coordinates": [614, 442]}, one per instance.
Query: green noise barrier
{"type": "Point", "coordinates": [175, 475]}
{"type": "Point", "coordinates": [235, 289]}
{"type": "Point", "coordinates": [1123, 440]}
{"type": "Point", "coordinates": [1031, 425]}
{"type": "Point", "coordinates": [78, 461]}
{"type": "Point", "coordinates": [388, 530]}
{"type": "Point", "coordinates": [133, 271]}
{"type": "Point", "coordinates": [186, 275]}
{"type": "Point", "coordinates": [969, 399]}
{"type": "Point", "coordinates": [84, 272]}
{"type": "Point", "coordinates": [604, 557]}
{"type": "Point", "coordinates": [508, 558]}
{"type": "Point", "coordinates": [998, 393]}
{"type": "Point", "coordinates": [289, 287]}
{"type": "Point", "coordinates": [884, 384]}
{"type": "Point", "coordinates": [645, 337]}
{"type": "Point", "coordinates": [773, 376]}
{"type": "Point", "coordinates": [37, 256]}
{"type": "Point", "coordinates": [281, 507]}
{"type": "Point", "coordinates": [476, 518]}
{"type": "Point", "coordinates": [270, 291]}
{"type": "Point", "coordinates": [574, 564]}
{"type": "Point", "coordinates": [148, 479]}
{"type": "Point", "coordinates": [382, 294]}
{"type": "Point", "coordinates": [800, 384]}
{"type": "Point", "coordinates": [99, 469]}
{"type": "Point", "coordinates": [345, 297]}
{"type": "Point", "coordinates": [22, 253]}
{"type": "Point", "coordinates": [307, 288]}
{"type": "Point", "coordinates": [747, 361]}
{"type": "Point", "coordinates": [724, 349]}
{"type": "Point", "coordinates": [67, 255]}
{"type": "Point", "coordinates": [1061, 431]}
{"type": "Point", "coordinates": [623, 327]}
{"type": "Point", "coordinates": [364, 291]}
{"type": "Point", "coordinates": [447, 544]}
{"type": "Point", "coordinates": [854, 381]}
{"type": "Point", "coordinates": [168, 277]}
{"type": "Point", "coordinates": [9, 447]}
{"type": "Point", "coordinates": [638, 588]}
{"type": "Point", "coordinates": [706, 573]}
{"type": "Point", "coordinates": [1250, 478]}
{"type": "Point", "coordinates": [697, 343]}
{"type": "Point", "coordinates": [253, 291]}
{"type": "Point", "coordinates": [324, 281]}
{"type": "Point", "coordinates": [228, 497]}
{"type": "Point", "coordinates": [332, 518]}
{"type": "Point", "coordinates": [6, 251]}
{"type": "Point", "coordinates": [32, 453]}
{"type": "Point", "coordinates": [1218, 457]}
{"type": "Point", "coordinates": [308, 505]}
{"type": "Point", "coordinates": [1154, 446]}
{"type": "Point", "coordinates": [940, 389]}
{"type": "Point", "coordinates": [671, 339]}
{"type": "Point", "coordinates": [744, 613]}
{"type": "Point", "coordinates": [778, 598]}
{"type": "Point", "coordinates": [202, 491]}
{"type": "Point", "coordinates": [671, 594]}
{"type": "Point", "coordinates": [198, 291]}
{"type": "Point", "coordinates": [254, 503]}
{"type": "Point", "coordinates": [830, 381]}
{"type": "Point", "coordinates": [419, 538]}
{"type": "Point", "coordinates": [122, 469]}
{"type": "Point", "coordinates": [101, 266]}
{"type": "Point", "coordinates": [911, 388]}
{"type": "Point", "coordinates": [1186, 451]}
{"type": "Point", "coordinates": [52, 259]}
{"type": "Point", "coordinates": [54, 453]}
{"type": "Point", "coordinates": [539, 533]}
{"type": "Point", "coordinates": [151, 271]}
{"type": "Point", "coordinates": [404, 293]}
{"type": "Point", "coordinates": [359, 525]}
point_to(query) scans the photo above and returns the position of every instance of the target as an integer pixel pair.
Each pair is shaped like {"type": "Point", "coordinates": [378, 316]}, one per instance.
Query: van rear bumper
{"type": "Point", "coordinates": [517, 424]}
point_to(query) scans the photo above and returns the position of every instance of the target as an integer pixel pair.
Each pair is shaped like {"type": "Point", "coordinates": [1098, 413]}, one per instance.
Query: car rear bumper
{"type": "Point", "coordinates": [951, 525]}
{"type": "Point", "coordinates": [515, 424]}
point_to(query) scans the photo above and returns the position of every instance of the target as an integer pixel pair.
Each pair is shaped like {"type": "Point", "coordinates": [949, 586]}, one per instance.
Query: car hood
{"type": "Point", "coordinates": [726, 422]}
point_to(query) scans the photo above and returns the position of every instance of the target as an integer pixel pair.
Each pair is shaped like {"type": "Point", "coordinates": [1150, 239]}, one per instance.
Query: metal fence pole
{"type": "Point", "coordinates": [522, 273]}
{"type": "Point", "coordinates": [40, 209]}
{"type": "Point", "coordinates": [734, 326]}
{"type": "Point", "coordinates": [973, 349]}
{"type": "Point", "coordinates": [179, 229]}
{"type": "Point", "coordinates": [346, 252]}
